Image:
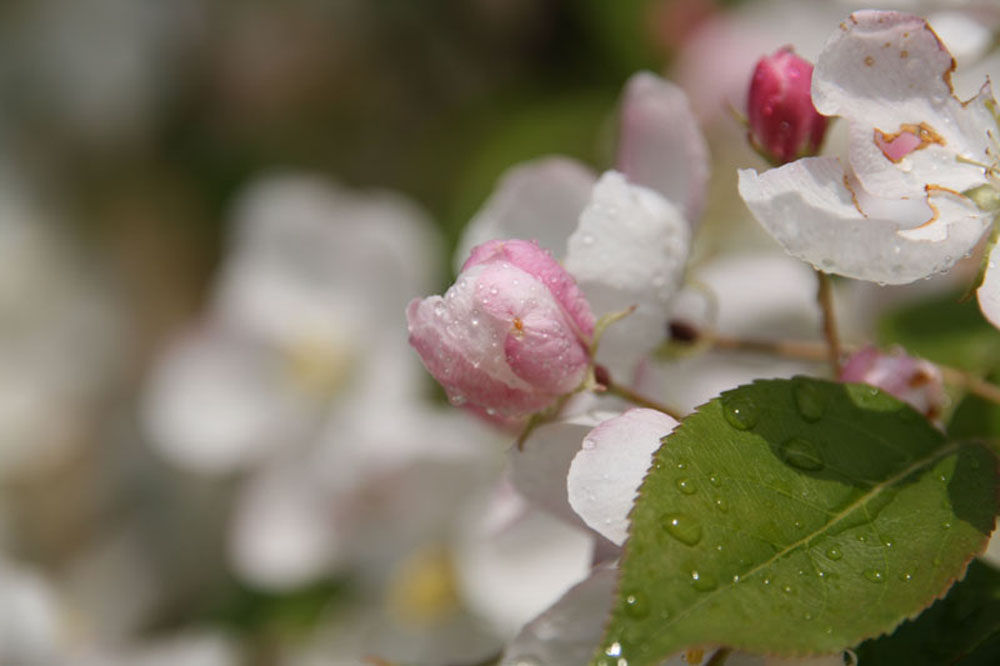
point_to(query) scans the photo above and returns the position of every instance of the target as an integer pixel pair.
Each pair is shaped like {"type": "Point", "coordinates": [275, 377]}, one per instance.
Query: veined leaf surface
{"type": "Point", "coordinates": [796, 517]}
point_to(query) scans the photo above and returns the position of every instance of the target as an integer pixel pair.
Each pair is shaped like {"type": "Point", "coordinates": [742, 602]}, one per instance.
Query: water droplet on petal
{"type": "Point", "coordinates": [589, 444]}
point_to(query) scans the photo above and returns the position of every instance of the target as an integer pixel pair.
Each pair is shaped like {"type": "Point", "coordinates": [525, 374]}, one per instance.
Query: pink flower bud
{"type": "Point", "coordinates": [510, 336]}
{"type": "Point", "coordinates": [784, 124]}
{"type": "Point", "coordinates": [912, 380]}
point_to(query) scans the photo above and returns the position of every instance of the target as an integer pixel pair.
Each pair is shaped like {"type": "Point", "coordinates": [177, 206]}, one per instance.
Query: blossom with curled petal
{"type": "Point", "coordinates": [624, 235]}
{"type": "Point", "coordinates": [921, 187]}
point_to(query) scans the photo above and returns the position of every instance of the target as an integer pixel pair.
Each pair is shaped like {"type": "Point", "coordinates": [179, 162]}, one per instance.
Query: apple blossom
{"type": "Point", "coordinates": [512, 334]}
{"type": "Point", "coordinates": [784, 124]}
{"type": "Point", "coordinates": [623, 236]}
{"type": "Point", "coordinates": [921, 189]}
{"type": "Point", "coordinates": [912, 380]}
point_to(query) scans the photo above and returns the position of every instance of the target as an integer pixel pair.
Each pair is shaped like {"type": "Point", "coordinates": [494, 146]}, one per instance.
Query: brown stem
{"type": "Point", "coordinates": [638, 399]}
{"type": "Point", "coordinates": [824, 296]}
{"type": "Point", "coordinates": [814, 351]}
{"type": "Point", "coordinates": [971, 383]}
{"type": "Point", "coordinates": [806, 351]}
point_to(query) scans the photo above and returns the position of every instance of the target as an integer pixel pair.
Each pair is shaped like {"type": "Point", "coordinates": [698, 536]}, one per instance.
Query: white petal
{"type": "Point", "coordinates": [887, 72]}
{"type": "Point", "coordinates": [215, 403]}
{"type": "Point", "coordinates": [605, 475]}
{"type": "Point", "coordinates": [629, 249]}
{"type": "Point", "coordinates": [568, 633]}
{"type": "Point", "coordinates": [539, 469]}
{"type": "Point", "coordinates": [808, 208]}
{"type": "Point", "coordinates": [283, 534]}
{"type": "Point", "coordinates": [661, 146]}
{"type": "Point", "coordinates": [29, 627]}
{"type": "Point", "coordinates": [989, 291]}
{"type": "Point", "coordinates": [539, 200]}
{"type": "Point", "coordinates": [317, 239]}
{"type": "Point", "coordinates": [964, 34]}
{"type": "Point", "coordinates": [514, 561]}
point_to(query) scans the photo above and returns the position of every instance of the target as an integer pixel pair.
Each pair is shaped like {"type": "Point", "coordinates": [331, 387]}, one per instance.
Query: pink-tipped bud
{"type": "Point", "coordinates": [912, 380]}
{"type": "Point", "coordinates": [784, 124]}
{"type": "Point", "coordinates": [510, 336]}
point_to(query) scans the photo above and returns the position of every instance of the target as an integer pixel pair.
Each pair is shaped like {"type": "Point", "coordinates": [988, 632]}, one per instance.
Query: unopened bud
{"type": "Point", "coordinates": [512, 334]}
{"type": "Point", "coordinates": [784, 124]}
{"type": "Point", "coordinates": [912, 380]}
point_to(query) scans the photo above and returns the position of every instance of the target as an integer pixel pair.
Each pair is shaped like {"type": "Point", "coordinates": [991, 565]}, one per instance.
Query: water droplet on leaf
{"type": "Point", "coordinates": [686, 486]}
{"type": "Point", "coordinates": [802, 454]}
{"type": "Point", "coordinates": [809, 402]}
{"type": "Point", "coordinates": [684, 528]}
{"type": "Point", "coordinates": [740, 412]}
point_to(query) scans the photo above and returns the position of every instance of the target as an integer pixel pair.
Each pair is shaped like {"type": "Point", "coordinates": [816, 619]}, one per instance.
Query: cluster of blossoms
{"type": "Point", "coordinates": [521, 330]}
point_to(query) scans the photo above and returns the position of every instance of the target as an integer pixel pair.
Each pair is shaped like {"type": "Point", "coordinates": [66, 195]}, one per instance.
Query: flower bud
{"type": "Point", "coordinates": [912, 380]}
{"type": "Point", "coordinates": [784, 124]}
{"type": "Point", "coordinates": [510, 336]}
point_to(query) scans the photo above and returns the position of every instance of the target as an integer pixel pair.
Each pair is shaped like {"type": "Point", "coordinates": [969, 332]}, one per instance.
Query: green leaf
{"type": "Point", "coordinates": [963, 628]}
{"type": "Point", "coordinates": [946, 331]}
{"type": "Point", "coordinates": [975, 418]}
{"type": "Point", "coordinates": [795, 517]}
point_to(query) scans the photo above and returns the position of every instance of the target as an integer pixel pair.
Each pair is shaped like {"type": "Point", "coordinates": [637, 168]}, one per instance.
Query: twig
{"type": "Point", "coordinates": [824, 296]}
{"type": "Point", "coordinates": [814, 351]}
{"type": "Point", "coordinates": [635, 398]}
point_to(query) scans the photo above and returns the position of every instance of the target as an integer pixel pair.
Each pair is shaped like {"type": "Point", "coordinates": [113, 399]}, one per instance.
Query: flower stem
{"type": "Point", "coordinates": [814, 351]}
{"type": "Point", "coordinates": [824, 296]}
{"type": "Point", "coordinates": [637, 399]}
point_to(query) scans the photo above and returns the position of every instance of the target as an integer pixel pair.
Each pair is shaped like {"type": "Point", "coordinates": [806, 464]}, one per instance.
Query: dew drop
{"type": "Point", "coordinates": [809, 402]}
{"type": "Point", "coordinates": [721, 505]}
{"type": "Point", "coordinates": [636, 605]}
{"type": "Point", "coordinates": [787, 589]}
{"type": "Point", "coordinates": [589, 444]}
{"type": "Point", "coordinates": [614, 650]}
{"type": "Point", "coordinates": [681, 465]}
{"type": "Point", "coordinates": [684, 528]}
{"type": "Point", "coordinates": [946, 525]}
{"type": "Point", "coordinates": [888, 542]}
{"type": "Point", "coordinates": [714, 480]}
{"type": "Point", "coordinates": [802, 454]}
{"type": "Point", "coordinates": [874, 575]}
{"type": "Point", "coordinates": [740, 412]}
{"type": "Point", "coordinates": [703, 582]}
{"type": "Point", "coordinates": [834, 553]}
{"type": "Point", "coordinates": [906, 576]}
{"type": "Point", "coordinates": [686, 486]}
